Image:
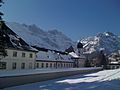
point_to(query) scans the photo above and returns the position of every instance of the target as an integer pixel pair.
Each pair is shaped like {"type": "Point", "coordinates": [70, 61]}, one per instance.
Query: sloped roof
{"type": "Point", "coordinates": [52, 56]}
{"type": "Point", "coordinates": [12, 40]}
{"type": "Point", "coordinates": [74, 55]}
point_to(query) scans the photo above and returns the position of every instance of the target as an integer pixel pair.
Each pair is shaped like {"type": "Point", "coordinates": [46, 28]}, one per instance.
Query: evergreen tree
{"type": "Point", "coordinates": [2, 35]}
{"type": "Point", "coordinates": [103, 60]}
{"type": "Point", "coordinates": [1, 14]}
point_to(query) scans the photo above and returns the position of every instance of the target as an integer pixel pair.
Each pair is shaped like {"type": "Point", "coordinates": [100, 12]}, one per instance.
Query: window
{"type": "Point", "coordinates": [42, 65]}
{"type": "Point", "coordinates": [31, 55]}
{"type": "Point", "coordinates": [30, 65]}
{"type": "Point", "coordinates": [64, 64]}
{"type": "Point", "coordinates": [23, 54]}
{"type": "Point", "coordinates": [46, 65]}
{"type": "Point", "coordinates": [37, 65]}
{"type": "Point", "coordinates": [14, 54]}
{"type": "Point", "coordinates": [61, 65]}
{"type": "Point", "coordinates": [58, 65]}
{"type": "Point", "coordinates": [14, 65]}
{"type": "Point", "coordinates": [51, 65]}
{"type": "Point", "coordinates": [22, 65]}
{"type": "Point", "coordinates": [71, 64]}
{"type": "Point", "coordinates": [54, 64]}
{"type": "Point", "coordinates": [2, 65]}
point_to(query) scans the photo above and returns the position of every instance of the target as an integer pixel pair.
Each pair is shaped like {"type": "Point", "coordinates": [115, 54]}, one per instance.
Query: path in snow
{"type": "Point", "coordinates": [102, 80]}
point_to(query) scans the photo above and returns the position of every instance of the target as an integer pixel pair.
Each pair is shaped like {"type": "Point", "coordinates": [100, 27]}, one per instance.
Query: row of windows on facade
{"type": "Point", "coordinates": [14, 65]}
{"type": "Point", "coordinates": [54, 65]}
{"type": "Point", "coordinates": [43, 65]}
{"type": "Point", "coordinates": [23, 54]}
{"type": "Point", "coordinates": [114, 67]}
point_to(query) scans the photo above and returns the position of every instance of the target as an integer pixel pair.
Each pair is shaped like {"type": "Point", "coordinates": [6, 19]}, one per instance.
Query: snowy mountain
{"type": "Point", "coordinates": [35, 36]}
{"type": "Point", "coordinates": [106, 41]}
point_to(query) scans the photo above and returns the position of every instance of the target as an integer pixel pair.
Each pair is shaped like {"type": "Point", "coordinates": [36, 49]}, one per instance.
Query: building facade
{"type": "Point", "coordinates": [18, 59]}
{"type": "Point", "coordinates": [53, 64]}
{"type": "Point", "coordinates": [47, 58]}
{"type": "Point", "coordinates": [114, 65]}
{"type": "Point", "coordinates": [19, 54]}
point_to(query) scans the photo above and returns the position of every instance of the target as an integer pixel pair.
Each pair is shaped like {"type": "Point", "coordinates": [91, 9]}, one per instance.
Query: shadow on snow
{"type": "Point", "coordinates": [74, 83]}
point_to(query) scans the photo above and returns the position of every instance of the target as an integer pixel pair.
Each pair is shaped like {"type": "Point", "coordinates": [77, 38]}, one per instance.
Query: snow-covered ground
{"type": "Point", "coordinates": [4, 73]}
{"type": "Point", "coordinates": [102, 80]}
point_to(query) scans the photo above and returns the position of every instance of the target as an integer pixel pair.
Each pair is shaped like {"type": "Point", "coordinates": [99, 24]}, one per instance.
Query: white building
{"type": "Point", "coordinates": [79, 61]}
{"type": "Point", "coordinates": [18, 59]}
{"type": "Point", "coordinates": [19, 54]}
{"type": "Point", "coordinates": [47, 58]}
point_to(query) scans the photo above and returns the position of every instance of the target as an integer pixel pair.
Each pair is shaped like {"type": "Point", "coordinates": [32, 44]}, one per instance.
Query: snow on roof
{"type": "Point", "coordinates": [74, 55]}
{"type": "Point", "coordinates": [52, 56]}
{"type": "Point", "coordinates": [12, 40]}
{"type": "Point", "coordinates": [34, 49]}
{"type": "Point", "coordinates": [114, 62]}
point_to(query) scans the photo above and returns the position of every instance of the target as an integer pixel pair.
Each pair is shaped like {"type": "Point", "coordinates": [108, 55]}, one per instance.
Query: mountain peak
{"type": "Point", "coordinates": [33, 35]}
{"type": "Point", "coordinates": [109, 34]}
{"type": "Point", "coordinates": [105, 34]}
{"type": "Point", "coordinates": [107, 40]}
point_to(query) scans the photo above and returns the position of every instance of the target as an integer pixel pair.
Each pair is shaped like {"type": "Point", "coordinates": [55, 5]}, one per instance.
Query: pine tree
{"type": "Point", "coordinates": [2, 35]}
{"type": "Point", "coordinates": [103, 60]}
{"type": "Point", "coordinates": [1, 14]}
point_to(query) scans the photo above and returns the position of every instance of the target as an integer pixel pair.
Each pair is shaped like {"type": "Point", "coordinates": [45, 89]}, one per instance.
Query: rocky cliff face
{"type": "Point", "coordinates": [106, 41]}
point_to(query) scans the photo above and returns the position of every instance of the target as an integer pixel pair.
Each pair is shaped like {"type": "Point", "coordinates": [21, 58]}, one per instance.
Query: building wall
{"type": "Point", "coordinates": [53, 64]}
{"type": "Point", "coordinates": [81, 62]}
{"type": "Point", "coordinates": [31, 63]}
{"type": "Point", "coordinates": [113, 66]}
{"type": "Point", "coordinates": [19, 59]}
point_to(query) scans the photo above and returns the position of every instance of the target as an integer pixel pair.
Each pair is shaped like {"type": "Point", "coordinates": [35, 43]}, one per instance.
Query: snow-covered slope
{"type": "Point", "coordinates": [33, 35]}
{"type": "Point", "coordinates": [107, 41]}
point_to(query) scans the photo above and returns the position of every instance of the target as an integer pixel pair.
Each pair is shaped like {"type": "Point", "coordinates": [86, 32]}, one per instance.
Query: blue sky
{"type": "Point", "coordinates": [75, 18]}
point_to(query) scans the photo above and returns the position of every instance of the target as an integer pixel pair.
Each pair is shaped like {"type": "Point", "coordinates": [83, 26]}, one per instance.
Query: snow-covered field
{"type": "Point", "coordinates": [102, 80]}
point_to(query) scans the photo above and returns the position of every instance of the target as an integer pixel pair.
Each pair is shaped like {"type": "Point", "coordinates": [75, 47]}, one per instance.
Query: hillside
{"type": "Point", "coordinates": [35, 36]}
